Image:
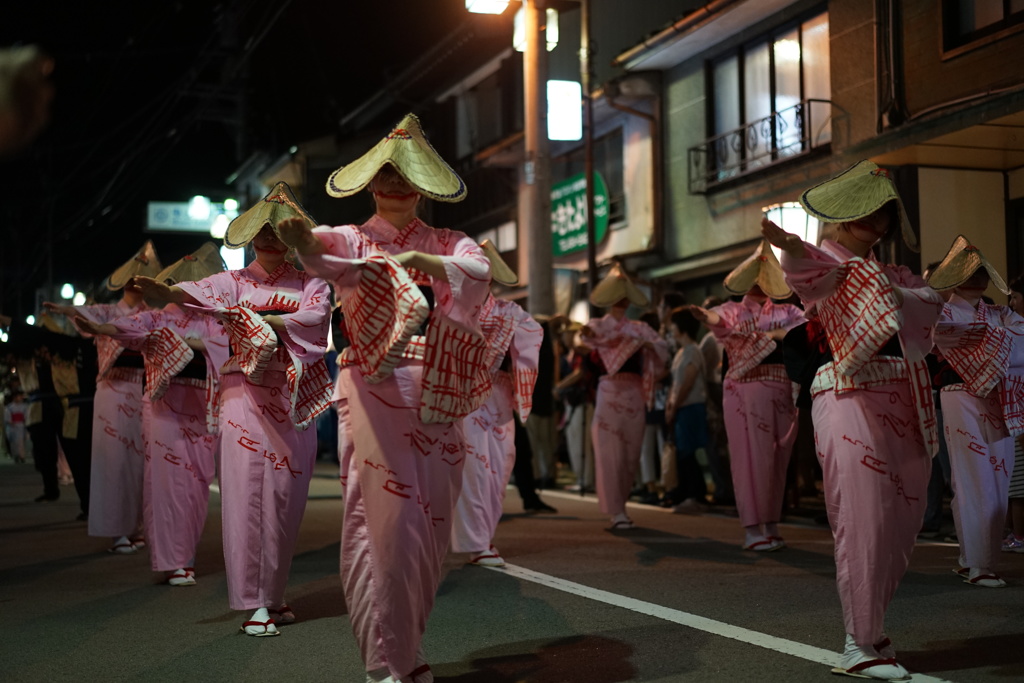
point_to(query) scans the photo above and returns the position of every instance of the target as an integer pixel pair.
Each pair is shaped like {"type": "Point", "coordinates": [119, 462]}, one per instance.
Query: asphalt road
{"type": "Point", "coordinates": [674, 600]}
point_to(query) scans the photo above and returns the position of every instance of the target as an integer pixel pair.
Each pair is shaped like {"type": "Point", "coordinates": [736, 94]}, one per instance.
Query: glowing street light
{"type": "Point", "coordinates": [30, 320]}
{"type": "Point", "coordinates": [199, 208]}
{"type": "Point", "coordinates": [486, 6]}
{"type": "Point", "coordinates": [79, 299]}
{"type": "Point", "coordinates": [791, 217]}
{"type": "Point", "coordinates": [565, 110]}
{"type": "Point", "coordinates": [234, 259]}
{"type": "Point", "coordinates": [219, 227]}
{"type": "Point", "coordinates": [67, 291]}
{"type": "Point", "coordinates": [230, 204]}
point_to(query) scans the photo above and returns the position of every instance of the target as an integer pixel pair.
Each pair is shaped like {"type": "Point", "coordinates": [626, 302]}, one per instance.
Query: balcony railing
{"type": "Point", "coordinates": [783, 135]}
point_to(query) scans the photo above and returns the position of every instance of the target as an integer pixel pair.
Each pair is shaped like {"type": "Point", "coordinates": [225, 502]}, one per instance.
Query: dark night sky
{"type": "Point", "coordinates": [141, 111]}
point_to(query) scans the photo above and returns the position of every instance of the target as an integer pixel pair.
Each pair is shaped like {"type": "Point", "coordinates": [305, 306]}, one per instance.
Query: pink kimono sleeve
{"type": "Point", "coordinates": [342, 245]}
{"type": "Point", "coordinates": [217, 291]}
{"type": "Point", "coordinates": [659, 351]}
{"type": "Point", "coordinates": [814, 276]}
{"type": "Point", "coordinates": [104, 313]}
{"type": "Point", "coordinates": [794, 317]}
{"type": "Point", "coordinates": [132, 329]}
{"type": "Point", "coordinates": [745, 349]}
{"type": "Point", "coordinates": [921, 309]}
{"type": "Point", "coordinates": [469, 279]}
{"type": "Point", "coordinates": [525, 352]}
{"type": "Point", "coordinates": [305, 334]}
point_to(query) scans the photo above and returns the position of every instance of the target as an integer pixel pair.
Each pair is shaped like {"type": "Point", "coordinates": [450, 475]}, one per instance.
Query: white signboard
{"type": "Point", "coordinates": [173, 217]}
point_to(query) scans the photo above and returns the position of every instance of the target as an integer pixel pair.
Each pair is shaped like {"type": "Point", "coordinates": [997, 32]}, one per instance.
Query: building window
{"type": "Point", "coordinates": [770, 99]}
{"type": "Point", "coordinates": [968, 21]}
{"type": "Point", "coordinates": [608, 162]}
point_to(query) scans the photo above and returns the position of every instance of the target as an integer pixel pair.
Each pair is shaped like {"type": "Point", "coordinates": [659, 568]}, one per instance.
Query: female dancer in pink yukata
{"type": "Point", "coordinates": [634, 356]}
{"type": "Point", "coordinates": [118, 450]}
{"type": "Point", "coordinates": [178, 415]}
{"type": "Point", "coordinates": [273, 386]}
{"type": "Point", "coordinates": [760, 416]}
{"type": "Point", "coordinates": [982, 404]}
{"type": "Point", "coordinates": [513, 343]}
{"type": "Point", "coordinates": [873, 414]}
{"type": "Point", "coordinates": [404, 389]}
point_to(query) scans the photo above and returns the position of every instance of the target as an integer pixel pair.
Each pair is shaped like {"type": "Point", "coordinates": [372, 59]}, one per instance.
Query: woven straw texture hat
{"type": "Point", "coordinates": [145, 262]}
{"type": "Point", "coordinates": [615, 287]}
{"type": "Point", "coordinates": [962, 260]}
{"type": "Point", "coordinates": [278, 205]}
{"type": "Point", "coordinates": [857, 192]}
{"type": "Point", "coordinates": [201, 263]}
{"type": "Point", "coordinates": [407, 150]}
{"type": "Point", "coordinates": [762, 269]}
{"type": "Point", "coordinates": [500, 271]}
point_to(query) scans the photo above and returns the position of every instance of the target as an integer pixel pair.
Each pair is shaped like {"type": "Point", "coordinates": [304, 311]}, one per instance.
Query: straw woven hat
{"type": "Point", "coordinates": [615, 287]}
{"type": "Point", "coordinates": [762, 269]}
{"type": "Point", "coordinates": [278, 205]}
{"type": "Point", "coordinates": [200, 264]}
{"type": "Point", "coordinates": [960, 263]}
{"type": "Point", "coordinates": [145, 262]}
{"type": "Point", "coordinates": [857, 192]}
{"type": "Point", "coordinates": [500, 271]}
{"type": "Point", "coordinates": [407, 150]}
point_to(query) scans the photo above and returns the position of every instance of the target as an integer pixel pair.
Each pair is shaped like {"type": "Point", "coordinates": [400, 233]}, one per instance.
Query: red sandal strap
{"type": "Point", "coordinates": [264, 624]}
{"type": "Point", "coordinates": [870, 663]}
{"type": "Point", "coordinates": [421, 669]}
{"type": "Point", "coordinates": [982, 577]}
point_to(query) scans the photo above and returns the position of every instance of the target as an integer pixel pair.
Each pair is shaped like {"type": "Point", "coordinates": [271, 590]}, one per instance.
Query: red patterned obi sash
{"type": "Point", "coordinates": [980, 354]}
{"type": "Point", "coordinates": [859, 317]}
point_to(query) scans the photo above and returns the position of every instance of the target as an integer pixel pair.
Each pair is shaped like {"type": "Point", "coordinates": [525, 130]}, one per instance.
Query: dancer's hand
{"type": "Point", "coordinates": [155, 291]}
{"type": "Point", "coordinates": [62, 309]}
{"type": "Point", "coordinates": [777, 237]}
{"type": "Point", "coordinates": [707, 317]}
{"type": "Point", "coordinates": [296, 233]}
{"type": "Point", "coordinates": [95, 329]}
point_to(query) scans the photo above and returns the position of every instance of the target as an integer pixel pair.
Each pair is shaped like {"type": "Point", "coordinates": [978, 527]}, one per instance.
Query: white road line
{"type": "Point", "coordinates": [718, 628]}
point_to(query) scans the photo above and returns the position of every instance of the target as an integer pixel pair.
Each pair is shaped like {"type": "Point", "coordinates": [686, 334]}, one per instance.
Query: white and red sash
{"type": "Point", "coordinates": [383, 313]}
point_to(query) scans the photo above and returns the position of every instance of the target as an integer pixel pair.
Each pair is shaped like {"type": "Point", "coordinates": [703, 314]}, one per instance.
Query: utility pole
{"type": "Point", "coordinates": [588, 149]}
{"type": "Point", "coordinates": [535, 177]}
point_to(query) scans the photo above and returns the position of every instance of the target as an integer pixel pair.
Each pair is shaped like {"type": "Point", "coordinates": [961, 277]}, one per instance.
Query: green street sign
{"type": "Point", "coordinates": [569, 213]}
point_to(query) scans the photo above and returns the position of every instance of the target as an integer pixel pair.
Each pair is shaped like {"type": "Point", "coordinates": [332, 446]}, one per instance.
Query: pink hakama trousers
{"type": "Point", "coordinates": [118, 458]}
{"type": "Point", "coordinates": [265, 469]}
{"type": "Point", "coordinates": [760, 421]}
{"type": "Point", "coordinates": [875, 470]}
{"type": "Point", "coordinates": [981, 463]}
{"type": "Point", "coordinates": [180, 464]}
{"type": "Point", "coordinates": [490, 455]}
{"type": "Point", "coordinates": [618, 435]}
{"type": "Point", "coordinates": [404, 479]}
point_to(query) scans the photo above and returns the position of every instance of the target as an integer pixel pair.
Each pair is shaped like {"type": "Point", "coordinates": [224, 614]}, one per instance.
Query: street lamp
{"type": "Point", "coordinates": [535, 175]}
{"type": "Point", "coordinates": [487, 6]}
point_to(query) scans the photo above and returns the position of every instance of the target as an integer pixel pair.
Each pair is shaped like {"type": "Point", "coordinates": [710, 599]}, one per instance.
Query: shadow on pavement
{"type": "Point", "coordinates": [989, 652]}
{"type": "Point", "coordinates": [594, 659]}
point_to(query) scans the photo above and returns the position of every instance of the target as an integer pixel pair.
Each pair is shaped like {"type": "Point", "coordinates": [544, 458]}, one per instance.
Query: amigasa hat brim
{"type": "Point", "coordinates": [145, 262]}
{"type": "Point", "coordinates": [407, 150]}
{"type": "Point", "coordinates": [960, 263]}
{"type": "Point", "coordinates": [761, 268]}
{"type": "Point", "coordinates": [615, 287]}
{"type": "Point", "coordinates": [279, 204]}
{"type": "Point", "coordinates": [857, 192]}
{"type": "Point", "coordinates": [500, 271]}
{"type": "Point", "coordinates": [200, 264]}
